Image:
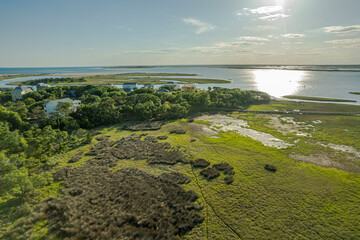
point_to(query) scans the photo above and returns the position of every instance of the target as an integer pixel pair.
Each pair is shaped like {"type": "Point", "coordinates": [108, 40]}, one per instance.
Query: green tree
{"type": "Point", "coordinates": [18, 181]}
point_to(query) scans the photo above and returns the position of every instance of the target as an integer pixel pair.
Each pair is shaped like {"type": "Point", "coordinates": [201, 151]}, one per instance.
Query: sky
{"type": "Point", "coordinates": [54, 33]}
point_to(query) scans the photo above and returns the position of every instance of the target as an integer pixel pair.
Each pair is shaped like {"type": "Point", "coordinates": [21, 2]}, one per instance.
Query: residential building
{"type": "Point", "coordinates": [129, 86]}
{"type": "Point", "coordinates": [188, 87]}
{"type": "Point", "coordinates": [50, 106]}
{"type": "Point", "coordinates": [149, 85]}
{"type": "Point", "coordinates": [17, 93]}
{"type": "Point", "coordinates": [41, 85]}
{"type": "Point", "coordinates": [172, 84]}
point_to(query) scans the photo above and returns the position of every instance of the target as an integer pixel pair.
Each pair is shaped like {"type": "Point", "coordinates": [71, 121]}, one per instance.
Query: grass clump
{"type": "Point", "coordinates": [318, 98]}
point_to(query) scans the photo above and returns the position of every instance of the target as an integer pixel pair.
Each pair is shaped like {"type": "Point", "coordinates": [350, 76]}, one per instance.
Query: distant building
{"type": "Point", "coordinates": [188, 87]}
{"type": "Point", "coordinates": [41, 85]}
{"type": "Point", "coordinates": [162, 90]}
{"type": "Point", "coordinates": [149, 85]}
{"type": "Point", "coordinates": [172, 84]}
{"type": "Point", "coordinates": [129, 86]}
{"type": "Point", "coordinates": [17, 93]}
{"type": "Point", "coordinates": [50, 106]}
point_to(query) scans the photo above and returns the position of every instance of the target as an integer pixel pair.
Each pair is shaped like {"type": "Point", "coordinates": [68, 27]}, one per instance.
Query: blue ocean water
{"type": "Point", "coordinates": [335, 81]}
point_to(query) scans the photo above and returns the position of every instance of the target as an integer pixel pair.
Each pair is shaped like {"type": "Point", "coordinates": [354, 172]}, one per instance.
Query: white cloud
{"type": "Point", "coordinates": [293, 35]}
{"type": "Point", "coordinates": [266, 13]}
{"type": "Point", "coordinates": [261, 10]}
{"type": "Point", "coordinates": [202, 26]}
{"type": "Point", "coordinates": [348, 41]}
{"type": "Point", "coordinates": [274, 17]}
{"type": "Point", "coordinates": [292, 43]}
{"type": "Point", "coordinates": [248, 38]}
{"type": "Point", "coordinates": [266, 9]}
{"type": "Point", "coordinates": [341, 29]}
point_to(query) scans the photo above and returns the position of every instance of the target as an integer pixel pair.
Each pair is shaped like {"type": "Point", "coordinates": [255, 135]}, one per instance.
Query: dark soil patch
{"type": "Point", "coordinates": [210, 173]}
{"type": "Point", "coordinates": [103, 160]}
{"type": "Point", "coordinates": [164, 137]}
{"type": "Point", "coordinates": [226, 168]}
{"type": "Point", "coordinates": [138, 126]}
{"type": "Point", "coordinates": [178, 130]}
{"type": "Point", "coordinates": [192, 140]}
{"type": "Point", "coordinates": [95, 133]}
{"type": "Point", "coordinates": [132, 147]}
{"type": "Point", "coordinates": [175, 177]}
{"type": "Point", "coordinates": [270, 168]}
{"type": "Point", "coordinates": [76, 157]}
{"type": "Point", "coordinates": [127, 204]}
{"type": "Point", "coordinates": [102, 138]}
{"type": "Point", "coordinates": [229, 179]}
{"type": "Point", "coordinates": [100, 147]}
{"type": "Point", "coordinates": [200, 163]}
{"type": "Point", "coordinates": [151, 139]}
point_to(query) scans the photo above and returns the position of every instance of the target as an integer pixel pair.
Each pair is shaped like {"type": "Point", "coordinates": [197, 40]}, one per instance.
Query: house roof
{"type": "Point", "coordinates": [21, 89]}
{"type": "Point", "coordinates": [59, 101]}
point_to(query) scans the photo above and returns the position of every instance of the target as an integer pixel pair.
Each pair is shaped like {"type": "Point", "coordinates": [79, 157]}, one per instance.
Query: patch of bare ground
{"type": "Point", "coordinates": [127, 204]}
{"type": "Point", "coordinates": [327, 160]}
{"type": "Point", "coordinates": [202, 129]}
{"type": "Point", "coordinates": [226, 123]}
{"type": "Point", "coordinates": [287, 125]}
{"type": "Point", "coordinates": [76, 157]}
{"type": "Point", "coordinates": [133, 147]}
{"type": "Point", "coordinates": [143, 126]}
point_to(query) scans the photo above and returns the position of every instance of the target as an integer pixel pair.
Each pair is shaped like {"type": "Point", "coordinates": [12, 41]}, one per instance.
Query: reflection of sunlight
{"type": "Point", "coordinates": [278, 83]}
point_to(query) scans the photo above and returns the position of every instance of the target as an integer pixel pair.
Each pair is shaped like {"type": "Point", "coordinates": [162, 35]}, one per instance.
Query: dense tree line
{"type": "Point", "coordinates": [104, 105]}
{"type": "Point", "coordinates": [54, 80]}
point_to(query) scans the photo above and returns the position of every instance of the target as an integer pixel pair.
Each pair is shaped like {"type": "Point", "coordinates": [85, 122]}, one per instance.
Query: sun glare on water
{"type": "Point", "coordinates": [279, 83]}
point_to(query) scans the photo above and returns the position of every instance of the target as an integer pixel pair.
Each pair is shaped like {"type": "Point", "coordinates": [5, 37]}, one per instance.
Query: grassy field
{"type": "Point", "coordinates": [10, 76]}
{"type": "Point", "coordinates": [317, 99]}
{"type": "Point", "coordinates": [300, 201]}
{"type": "Point", "coordinates": [305, 106]}
{"type": "Point", "coordinates": [140, 78]}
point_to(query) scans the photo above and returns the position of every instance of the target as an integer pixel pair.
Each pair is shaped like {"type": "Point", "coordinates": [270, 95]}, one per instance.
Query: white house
{"type": "Point", "coordinates": [149, 85]}
{"type": "Point", "coordinates": [41, 85]}
{"type": "Point", "coordinates": [17, 93]}
{"type": "Point", "coordinates": [129, 86]}
{"type": "Point", "coordinates": [50, 106]}
{"type": "Point", "coordinates": [172, 84]}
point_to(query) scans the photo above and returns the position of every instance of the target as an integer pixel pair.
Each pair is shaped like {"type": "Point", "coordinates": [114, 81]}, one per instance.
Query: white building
{"type": "Point", "coordinates": [172, 84]}
{"type": "Point", "coordinates": [17, 93]}
{"type": "Point", "coordinates": [129, 86]}
{"type": "Point", "coordinates": [50, 106]}
{"type": "Point", "coordinates": [149, 85]}
{"type": "Point", "coordinates": [41, 85]}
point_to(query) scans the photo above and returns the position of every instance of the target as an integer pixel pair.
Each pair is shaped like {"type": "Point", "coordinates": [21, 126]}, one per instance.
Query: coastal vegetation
{"type": "Point", "coordinates": [356, 93]}
{"type": "Point", "coordinates": [317, 98]}
{"type": "Point", "coordinates": [49, 165]}
{"type": "Point", "coordinates": [10, 76]}
{"type": "Point", "coordinates": [140, 78]}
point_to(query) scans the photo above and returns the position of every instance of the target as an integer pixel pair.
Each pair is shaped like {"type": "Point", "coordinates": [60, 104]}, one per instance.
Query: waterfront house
{"type": "Point", "coordinates": [129, 86]}
{"type": "Point", "coordinates": [172, 84]}
{"type": "Point", "coordinates": [41, 85]}
{"type": "Point", "coordinates": [50, 106]}
{"type": "Point", "coordinates": [188, 87]}
{"type": "Point", "coordinates": [149, 85]}
{"type": "Point", "coordinates": [17, 93]}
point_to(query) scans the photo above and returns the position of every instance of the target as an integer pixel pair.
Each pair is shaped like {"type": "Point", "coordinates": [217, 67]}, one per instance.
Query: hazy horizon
{"type": "Point", "coordinates": [205, 32]}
